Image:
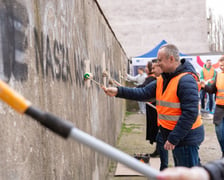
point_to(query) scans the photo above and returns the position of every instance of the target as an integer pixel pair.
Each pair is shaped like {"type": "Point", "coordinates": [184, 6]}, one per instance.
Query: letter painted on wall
{"type": "Point", "coordinates": [59, 45]}
{"type": "Point", "coordinates": [13, 40]}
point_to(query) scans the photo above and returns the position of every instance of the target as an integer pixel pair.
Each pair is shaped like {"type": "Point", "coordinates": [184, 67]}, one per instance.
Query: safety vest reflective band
{"type": "Point", "coordinates": [168, 104]}
{"type": "Point", "coordinates": [220, 88]}
{"type": "Point", "coordinates": [208, 74]}
{"type": "Point", "coordinates": [169, 117]}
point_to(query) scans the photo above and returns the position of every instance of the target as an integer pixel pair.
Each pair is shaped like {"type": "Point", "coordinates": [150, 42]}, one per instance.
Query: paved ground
{"type": "Point", "coordinates": [132, 140]}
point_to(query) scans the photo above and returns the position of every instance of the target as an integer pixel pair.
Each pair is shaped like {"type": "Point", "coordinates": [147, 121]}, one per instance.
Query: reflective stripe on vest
{"type": "Point", "coordinates": [220, 88]}
{"type": "Point", "coordinates": [168, 104]}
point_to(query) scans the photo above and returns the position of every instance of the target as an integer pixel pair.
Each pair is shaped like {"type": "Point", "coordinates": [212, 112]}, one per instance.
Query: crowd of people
{"type": "Point", "coordinates": [176, 90]}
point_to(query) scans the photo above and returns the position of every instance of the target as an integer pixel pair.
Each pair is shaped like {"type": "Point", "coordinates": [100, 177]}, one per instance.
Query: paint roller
{"type": "Point", "coordinates": [66, 130]}
{"type": "Point", "coordinates": [89, 76]}
{"type": "Point", "coordinates": [111, 80]}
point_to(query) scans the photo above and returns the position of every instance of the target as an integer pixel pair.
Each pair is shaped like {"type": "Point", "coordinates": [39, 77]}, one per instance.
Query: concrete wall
{"type": "Point", "coordinates": [46, 46]}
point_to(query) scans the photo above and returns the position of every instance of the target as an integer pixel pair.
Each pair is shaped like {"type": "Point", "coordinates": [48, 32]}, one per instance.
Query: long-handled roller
{"type": "Point", "coordinates": [66, 130]}
{"type": "Point", "coordinates": [151, 105]}
{"type": "Point", "coordinates": [111, 80]}
{"type": "Point", "coordinates": [106, 74]}
{"type": "Point", "coordinates": [90, 77]}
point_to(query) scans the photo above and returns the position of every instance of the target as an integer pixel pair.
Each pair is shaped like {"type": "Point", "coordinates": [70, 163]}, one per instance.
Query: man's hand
{"type": "Point", "coordinates": [183, 173]}
{"type": "Point", "coordinates": [202, 83]}
{"type": "Point", "coordinates": [110, 91]}
{"type": "Point", "coordinates": [169, 146]}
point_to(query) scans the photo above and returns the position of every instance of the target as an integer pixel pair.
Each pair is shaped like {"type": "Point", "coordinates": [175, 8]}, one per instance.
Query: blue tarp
{"type": "Point", "coordinates": [154, 51]}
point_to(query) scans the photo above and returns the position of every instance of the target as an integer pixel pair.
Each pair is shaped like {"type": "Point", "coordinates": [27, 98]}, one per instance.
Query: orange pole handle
{"type": "Point", "coordinates": [12, 98]}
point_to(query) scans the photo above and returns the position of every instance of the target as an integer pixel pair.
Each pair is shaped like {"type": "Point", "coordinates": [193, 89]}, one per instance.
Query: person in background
{"type": "Point", "coordinates": [218, 87]}
{"type": "Point", "coordinates": [207, 75]}
{"type": "Point", "coordinates": [151, 114]}
{"type": "Point", "coordinates": [176, 93]}
{"type": "Point", "coordinates": [163, 154]}
{"type": "Point", "coordinates": [138, 80]}
{"type": "Point", "coordinates": [211, 171]}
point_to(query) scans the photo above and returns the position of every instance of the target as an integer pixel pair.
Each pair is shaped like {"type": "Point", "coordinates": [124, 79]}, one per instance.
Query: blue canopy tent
{"type": "Point", "coordinates": [141, 61]}
{"type": "Point", "coordinates": [154, 51]}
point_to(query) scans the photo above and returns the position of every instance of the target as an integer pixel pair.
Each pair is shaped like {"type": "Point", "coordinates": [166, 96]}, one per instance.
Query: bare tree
{"type": "Point", "coordinates": [215, 32]}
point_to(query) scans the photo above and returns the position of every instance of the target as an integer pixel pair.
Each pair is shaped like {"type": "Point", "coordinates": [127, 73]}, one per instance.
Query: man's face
{"type": "Point", "coordinates": [140, 71]}
{"type": "Point", "coordinates": [156, 70]}
{"type": "Point", "coordinates": [221, 66]}
{"type": "Point", "coordinates": [163, 61]}
{"type": "Point", "coordinates": [208, 64]}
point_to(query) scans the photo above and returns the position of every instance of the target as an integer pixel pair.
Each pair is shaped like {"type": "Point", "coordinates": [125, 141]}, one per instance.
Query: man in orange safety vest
{"type": "Point", "coordinates": [207, 75]}
{"type": "Point", "coordinates": [218, 87]}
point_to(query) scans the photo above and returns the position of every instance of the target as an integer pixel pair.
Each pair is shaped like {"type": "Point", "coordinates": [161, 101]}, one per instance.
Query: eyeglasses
{"type": "Point", "coordinates": [155, 61]}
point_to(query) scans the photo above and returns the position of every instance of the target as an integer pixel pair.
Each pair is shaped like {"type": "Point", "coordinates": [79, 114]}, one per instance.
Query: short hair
{"type": "Point", "coordinates": [221, 59]}
{"type": "Point", "coordinates": [171, 50]}
{"type": "Point", "coordinates": [208, 60]}
{"type": "Point", "coordinates": [141, 68]}
{"type": "Point", "coordinates": [149, 66]}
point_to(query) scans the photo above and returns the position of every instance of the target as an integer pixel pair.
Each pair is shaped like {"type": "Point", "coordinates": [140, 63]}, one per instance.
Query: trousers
{"type": "Point", "coordinates": [186, 156]}
{"type": "Point", "coordinates": [219, 129]}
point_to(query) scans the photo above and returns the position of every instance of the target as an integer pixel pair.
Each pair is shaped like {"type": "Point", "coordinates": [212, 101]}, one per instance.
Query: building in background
{"type": "Point", "coordinates": [141, 25]}
{"type": "Point", "coordinates": [215, 19]}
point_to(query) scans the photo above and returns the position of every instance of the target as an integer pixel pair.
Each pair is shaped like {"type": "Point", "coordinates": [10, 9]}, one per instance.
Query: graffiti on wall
{"type": "Point", "coordinates": [49, 63]}
{"type": "Point", "coordinates": [13, 40]}
{"type": "Point", "coordinates": [59, 47]}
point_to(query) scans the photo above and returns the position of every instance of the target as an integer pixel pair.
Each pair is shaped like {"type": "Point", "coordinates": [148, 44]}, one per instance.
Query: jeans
{"type": "Point", "coordinates": [186, 156]}
{"type": "Point", "coordinates": [142, 107]}
{"type": "Point", "coordinates": [210, 101]}
{"type": "Point", "coordinates": [162, 152]}
{"type": "Point", "coordinates": [219, 129]}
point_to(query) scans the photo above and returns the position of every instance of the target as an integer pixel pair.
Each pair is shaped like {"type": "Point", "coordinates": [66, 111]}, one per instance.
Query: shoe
{"type": "Point", "coordinates": [142, 157]}
{"type": "Point", "coordinates": [154, 154]}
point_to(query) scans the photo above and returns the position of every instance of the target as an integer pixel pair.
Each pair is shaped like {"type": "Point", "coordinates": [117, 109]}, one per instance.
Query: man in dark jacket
{"type": "Point", "coordinates": [151, 114]}
{"type": "Point", "coordinates": [152, 133]}
{"type": "Point", "coordinates": [176, 94]}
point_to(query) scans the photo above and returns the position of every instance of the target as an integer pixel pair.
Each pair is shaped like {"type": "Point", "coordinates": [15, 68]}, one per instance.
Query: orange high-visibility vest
{"type": "Point", "coordinates": [208, 74]}
{"type": "Point", "coordinates": [168, 104]}
{"type": "Point", "coordinates": [220, 88]}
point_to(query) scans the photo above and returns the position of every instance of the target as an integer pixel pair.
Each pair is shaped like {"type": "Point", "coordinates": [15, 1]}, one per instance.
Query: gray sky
{"type": "Point", "coordinates": [217, 6]}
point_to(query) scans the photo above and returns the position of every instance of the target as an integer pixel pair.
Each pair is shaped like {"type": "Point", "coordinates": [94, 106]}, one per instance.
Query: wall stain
{"type": "Point", "coordinates": [14, 21]}
{"type": "Point", "coordinates": [53, 57]}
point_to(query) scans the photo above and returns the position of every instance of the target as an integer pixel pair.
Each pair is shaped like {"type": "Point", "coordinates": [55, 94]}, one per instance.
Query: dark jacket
{"type": "Point", "coordinates": [219, 110]}
{"type": "Point", "coordinates": [187, 93]}
{"type": "Point", "coordinates": [215, 169]}
{"type": "Point", "coordinates": [151, 115]}
{"type": "Point", "coordinates": [148, 80]}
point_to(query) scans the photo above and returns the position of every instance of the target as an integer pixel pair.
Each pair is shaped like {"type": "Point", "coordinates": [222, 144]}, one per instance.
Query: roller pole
{"type": "Point", "coordinates": [67, 130]}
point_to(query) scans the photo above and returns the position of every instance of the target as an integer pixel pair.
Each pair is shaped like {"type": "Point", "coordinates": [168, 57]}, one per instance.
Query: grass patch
{"type": "Point", "coordinates": [128, 128]}
{"type": "Point", "coordinates": [128, 113]}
